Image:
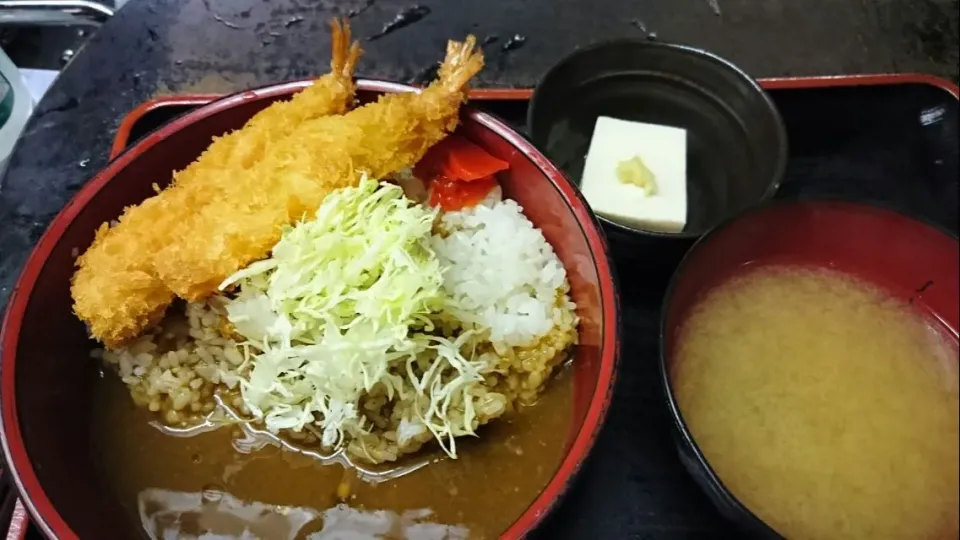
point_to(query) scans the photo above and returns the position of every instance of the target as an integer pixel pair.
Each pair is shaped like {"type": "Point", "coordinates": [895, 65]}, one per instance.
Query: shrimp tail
{"type": "Point", "coordinates": [345, 53]}
{"type": "Point", "coordinates": [462, 62]}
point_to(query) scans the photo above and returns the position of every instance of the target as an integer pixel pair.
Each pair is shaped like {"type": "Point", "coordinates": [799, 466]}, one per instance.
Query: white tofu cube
{"type": "Point", "coordinates": [662, 149]}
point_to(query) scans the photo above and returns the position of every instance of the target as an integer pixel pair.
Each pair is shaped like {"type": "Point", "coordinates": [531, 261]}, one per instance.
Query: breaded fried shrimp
{"type": "Point", "coordinates": [228, 232]}
{"type": "Point", "coordinates": [329, 95]}
{"type": "Point", "coordinates": [115, 289]}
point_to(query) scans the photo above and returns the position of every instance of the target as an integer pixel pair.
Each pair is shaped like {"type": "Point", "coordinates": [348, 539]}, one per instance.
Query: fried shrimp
{"type": "Point", "coordinates": [210, 242]}
{"type": "Point", "coordinates": [329, 95]}
{"type": "Point", "coordinates": [115, 289]}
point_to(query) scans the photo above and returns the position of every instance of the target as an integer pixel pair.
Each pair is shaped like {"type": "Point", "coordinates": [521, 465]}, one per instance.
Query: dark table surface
{"type": "Point", "coordinates": [161, 47]}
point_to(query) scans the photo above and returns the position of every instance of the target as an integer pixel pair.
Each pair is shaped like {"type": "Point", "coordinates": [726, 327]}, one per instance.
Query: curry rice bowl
{"type": "Point", "coordinates": [508, 308]}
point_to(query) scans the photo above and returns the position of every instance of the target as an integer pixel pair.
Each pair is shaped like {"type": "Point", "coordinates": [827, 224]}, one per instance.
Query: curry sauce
{"type": "Point", "coordinates": [223, 482]}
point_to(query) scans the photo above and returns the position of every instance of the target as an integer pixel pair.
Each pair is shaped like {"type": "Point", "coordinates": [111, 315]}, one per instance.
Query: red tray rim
{"type": "Point", "coordinates": [122, 138]}
{"type": "Point", "coordinates": [20, 520]}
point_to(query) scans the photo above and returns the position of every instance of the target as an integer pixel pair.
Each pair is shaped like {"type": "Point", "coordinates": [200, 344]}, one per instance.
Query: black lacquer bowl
{"type": "Point", "coordinates": [736, 140]}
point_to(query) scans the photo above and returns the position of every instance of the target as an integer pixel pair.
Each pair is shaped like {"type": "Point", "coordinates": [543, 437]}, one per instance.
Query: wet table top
{"type": "Point", "coordinates": [163, 47]}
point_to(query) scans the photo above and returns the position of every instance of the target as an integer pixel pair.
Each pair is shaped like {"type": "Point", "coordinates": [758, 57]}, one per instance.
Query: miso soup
{"type": "Point", "coordinates": [829, 408]}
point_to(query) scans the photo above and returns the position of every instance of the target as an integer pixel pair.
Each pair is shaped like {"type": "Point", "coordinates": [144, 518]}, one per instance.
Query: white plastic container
{"type": "Point", "coordinates": [16, 104]}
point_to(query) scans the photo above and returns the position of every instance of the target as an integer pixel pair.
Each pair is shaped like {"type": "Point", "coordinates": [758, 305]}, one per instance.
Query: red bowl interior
{"type": "Point", "coordinates": [908, 258]}
{"type": "Point", "coordinates": [47, 373]}
{"type": "Point", "coordinates": [911, 260]}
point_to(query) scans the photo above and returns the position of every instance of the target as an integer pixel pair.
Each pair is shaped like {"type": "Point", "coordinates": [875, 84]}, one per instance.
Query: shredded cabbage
{"type": "Point", "coordinates": [342, 299]}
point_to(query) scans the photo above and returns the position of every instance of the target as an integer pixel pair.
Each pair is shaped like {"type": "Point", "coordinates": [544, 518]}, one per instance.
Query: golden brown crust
{"type": "Point", "coordinates": [115, 288]}
{"type": "Point", "coordinates": [242, 225]}
{"type": "Point", "coordinates": [227, 209]}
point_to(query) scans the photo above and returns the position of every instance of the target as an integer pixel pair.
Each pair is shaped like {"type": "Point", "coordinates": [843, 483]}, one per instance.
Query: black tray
{"type": "Point", "coordinates": [889, 139]}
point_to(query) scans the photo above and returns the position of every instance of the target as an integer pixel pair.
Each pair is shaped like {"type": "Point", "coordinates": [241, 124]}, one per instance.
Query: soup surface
{"type": "Point", "coordinates": [227, 484]}
{"type": "Point", "coordinates": [829, 408]}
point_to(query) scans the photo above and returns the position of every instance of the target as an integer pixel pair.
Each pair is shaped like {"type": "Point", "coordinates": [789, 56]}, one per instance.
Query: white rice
{"type": "Point", "coordinates": [503, 275]}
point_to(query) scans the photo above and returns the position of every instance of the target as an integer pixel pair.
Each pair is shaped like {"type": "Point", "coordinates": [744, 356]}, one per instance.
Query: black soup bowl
{"type": "Point", "coordinates": [907, 258]}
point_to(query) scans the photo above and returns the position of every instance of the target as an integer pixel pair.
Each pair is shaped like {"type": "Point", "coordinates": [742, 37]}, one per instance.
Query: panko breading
{"type": "Point", "coordinates": [211, 241]}
{"type": "Point", "coordinates": [115, 289]}
{"type": "Point", "coordinates": [331, 94]}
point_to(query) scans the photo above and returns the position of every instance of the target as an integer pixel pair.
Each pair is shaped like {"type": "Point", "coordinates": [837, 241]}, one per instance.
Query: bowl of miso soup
{"type": "Point", "coordinates": [809, 353]}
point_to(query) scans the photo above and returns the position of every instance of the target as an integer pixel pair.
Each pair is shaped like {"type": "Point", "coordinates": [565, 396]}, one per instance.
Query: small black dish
{"type": "Point", "coordinates": [736, 140]}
